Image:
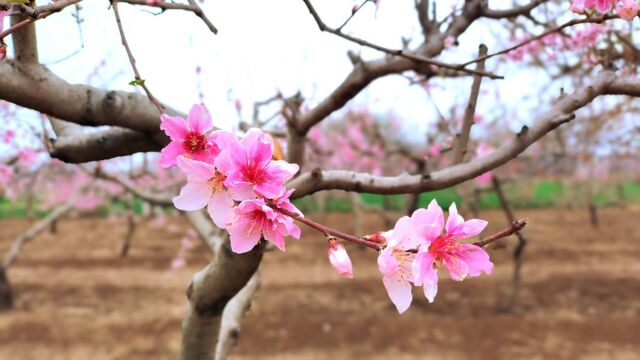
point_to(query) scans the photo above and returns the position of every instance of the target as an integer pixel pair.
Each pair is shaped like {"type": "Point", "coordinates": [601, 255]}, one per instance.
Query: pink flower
{"type": "Point", "coordinates": [8, 136]}
{"type": "Point", "coordinates": [178, 263]}
{"type": "Point", "coordinates": [253, 168]}
{"type": "Point", "coordinates": [6, 172]}
{"type": "Point", "coordinates": [2, 16]}
{"type": "Point", "coordinates": [253, 219]}
{"type": "Point", "coordinates": [187, 138]}
{"type": "Point", "coordinates": [27, 157]}
{"type": "Point", "coordinates": [577, 6]}
{"type": "Point", "coordinates": [205, 186]}
{"type": "Point", "coordinates": [460, 260]}
{"type": "Point", "coordinates": [395, 263]}
{"type": "Point", "coordinates": [628, 9]}
{"type": "Point", "coordinates": [603, 6]}
{"type": "Point", "coordinates": [339, 259]}
{"type": "Point", "coordinates": [484, 149]}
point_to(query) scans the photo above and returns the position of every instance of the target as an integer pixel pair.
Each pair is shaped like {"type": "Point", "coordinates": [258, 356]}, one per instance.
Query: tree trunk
{"type": "Point", "coordinates": [593, 213]}
{"type": "Point", "coordinates": [213, 289]}
{"type": "Point", "coordinates": [519, 250]}
{"type": "Point", "coordinates": [6, 293]}
{"type": "Point", "coordinates": [131, 228]}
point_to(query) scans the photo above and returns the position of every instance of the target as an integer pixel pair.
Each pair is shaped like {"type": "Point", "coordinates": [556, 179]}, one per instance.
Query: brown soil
{"type": "Point", "coordinates": [76, 299]}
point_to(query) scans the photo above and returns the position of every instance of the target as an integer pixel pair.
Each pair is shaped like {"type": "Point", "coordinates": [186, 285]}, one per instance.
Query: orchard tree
{"type": "Point", "coordinates": [582, 50]}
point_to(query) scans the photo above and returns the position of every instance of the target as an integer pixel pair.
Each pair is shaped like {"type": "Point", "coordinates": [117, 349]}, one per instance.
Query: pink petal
{"type": "Point", "coordinates": [472, 228]}
{"type": "Point", "coordinates": [399, 291]}
{"type": "Point", "coordinates": [245, 233]}
{"type": "Point", "coordinates": [174, 127]}
{"type": "Point", "coordinates": [422, 267]}
{"type": "Point", "coordinates": [272, 235]}
{"type": "Point", "coordinates": [430, 289]}
{"type": "Point", "coordinates": [428, 223]}
{"type": "Point", "coordinates": [476, 258]}
{"type": "Point", "coordinates": [192, 197]}
{"type": "Point", "coordinates": [454, 222]}
{"type": "Point", "coordinates": [386, 262]}
{"type": "Point", "coordinates": [220, 208]}
{"type": "Point", "coordinates": [401, 234]}
{"type": "Point", "coordinates": [258, 147]}
{"type": "Point", "coordinates": [457, 268]}
{"type": "Point", "coordinates": [170, 153]}
{"type": "Point", "coordinates": [196, 170]}
{"type": "Point", "coordinates": [199, 119]}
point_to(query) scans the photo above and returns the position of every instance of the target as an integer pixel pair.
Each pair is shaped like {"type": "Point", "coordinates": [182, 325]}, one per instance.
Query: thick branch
{"type": "Point", "coordinates": [74, 144]}
{"type": "Point", "coordinates": [209, 293]}
{"type": "Point", "coordinates": [80, 104]}
{"type": "Point", "coordinates": [232, 317]}
{"type": "Point", "coordinates": [561, 112]}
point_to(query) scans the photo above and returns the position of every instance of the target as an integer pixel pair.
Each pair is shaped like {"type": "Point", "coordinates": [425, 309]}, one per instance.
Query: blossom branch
{"type": "Point", "coordinates": [327, 230]}
{"type": "Point", "coordinates": [513, 228]}
{"type": "Point", "coordinates": [395, 52]}
{"type": "Point", "coordinates": [588, 20]}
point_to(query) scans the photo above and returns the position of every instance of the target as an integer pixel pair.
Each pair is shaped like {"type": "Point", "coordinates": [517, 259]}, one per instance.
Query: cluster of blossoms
{"type": "Point", "coordinates": [237, 180]}
{"type": "Point", "coordinates": [243, 188]}
{"type": "Point", "coordinates": [551, 44]}
{"type": "Point", "coordinates": [419, 245]}
{"type": "Point", "coordinates": [625, 9]}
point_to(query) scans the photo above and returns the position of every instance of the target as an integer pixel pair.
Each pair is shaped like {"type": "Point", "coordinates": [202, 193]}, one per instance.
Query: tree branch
{"type": "Point", "coordinates": [232, 317]}
{"type": "Point", "coordinates": [394, 52]}
{"type": "Point", "coordinates": [33, 231]}
{"type": "Point", "coordinates": [562, 112]}
{"type": "Point", "coordinates": [164, 5]}
{"type": "Point", "coordinates": [460, 147]}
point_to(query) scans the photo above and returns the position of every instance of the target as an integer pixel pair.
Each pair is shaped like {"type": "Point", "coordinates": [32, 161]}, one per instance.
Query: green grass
{"type": "Point", "coordinates": [529, 194]}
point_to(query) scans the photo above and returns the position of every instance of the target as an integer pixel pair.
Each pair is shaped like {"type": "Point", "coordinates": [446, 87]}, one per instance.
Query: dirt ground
{"type": "Point", "coordinates": [77, 299]}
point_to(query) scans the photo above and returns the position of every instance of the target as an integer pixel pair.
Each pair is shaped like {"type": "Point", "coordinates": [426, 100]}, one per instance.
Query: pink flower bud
{"type": "Point", "coordinates": [340, 259]}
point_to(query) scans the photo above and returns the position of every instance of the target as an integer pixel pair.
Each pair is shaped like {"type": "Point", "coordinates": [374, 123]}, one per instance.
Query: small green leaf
{"type": "Point", "coordinates": [137, 82]}
{"type": "Point", "coordinates": [18, 1]}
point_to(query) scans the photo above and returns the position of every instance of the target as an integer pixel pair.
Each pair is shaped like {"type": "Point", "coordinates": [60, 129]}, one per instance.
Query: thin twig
{"type": "Point", "coordinates": [396, 52]}
{"type": "Point", "coordinates": [165, 5]}
{"type": "Point", "coordinates": [353, 13]}
{"type": "Point", "coordinates": [139, 80]}
{"type": "Point", "coordinates": [515, 226]}
{"type": "Point", "coordinates": [37, 13]}
{"type": "Point", "coordinates": [327, 230]}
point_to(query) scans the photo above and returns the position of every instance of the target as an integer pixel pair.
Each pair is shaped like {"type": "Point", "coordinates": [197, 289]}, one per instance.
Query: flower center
{"type": "Point", "coordinates": [194, 142]}
{"type": "Point", "coordinates": [443, 247]}
{"type": "Point", "coordinates": [216, 183]}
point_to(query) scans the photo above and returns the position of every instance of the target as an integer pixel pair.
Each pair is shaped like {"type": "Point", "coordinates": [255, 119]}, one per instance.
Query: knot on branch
{"type": "Point", "coordinates": [112, 103]}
